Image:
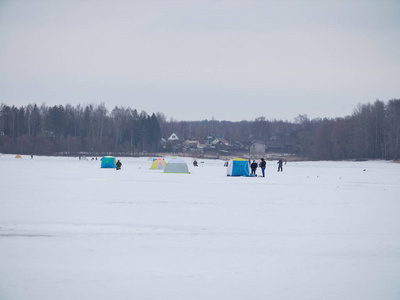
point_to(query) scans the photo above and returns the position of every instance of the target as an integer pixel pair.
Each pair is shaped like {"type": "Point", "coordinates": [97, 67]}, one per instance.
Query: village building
{"type": "Point", "coordinates": [194, 144]}
{"type": "Point", "coordinates": [173, 137]}
{"type": "Point", "coordinates": [257, 147]}
{"type": "Point", "coordinates": [221, 144]}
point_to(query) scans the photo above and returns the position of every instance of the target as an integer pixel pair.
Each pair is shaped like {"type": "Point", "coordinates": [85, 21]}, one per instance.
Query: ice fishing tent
{"type": "Point", "coordinates": [176, 165]}
{"type": "Point", "coordinates": [18, 156]}
{"type": "Point", "coordinates": [238, 167]}
{"type": "Point", "coordinates": [108, 162]}
{"type": "Point", "coordinates": [158, 164]}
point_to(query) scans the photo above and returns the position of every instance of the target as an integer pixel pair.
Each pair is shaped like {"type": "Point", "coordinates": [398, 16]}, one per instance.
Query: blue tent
{"type": "Point", "coordinates": [238, 167]}
{"type": "Point", "coordinates": [108, 162]}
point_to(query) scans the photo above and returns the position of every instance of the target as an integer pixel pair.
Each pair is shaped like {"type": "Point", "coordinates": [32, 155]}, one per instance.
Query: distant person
{"type": "Point", "coordinates": [263, 164]}
{"type": "Point", "coordinates": [119, 164]}
{"type": "Point", "coordinates": [280, 163]}
{"type": "Point", "coordinates": [195, 163]}
{"type": "Point", "coordinates": [31, 155]}
{"type": "Point", "coordinates": [253, 167]}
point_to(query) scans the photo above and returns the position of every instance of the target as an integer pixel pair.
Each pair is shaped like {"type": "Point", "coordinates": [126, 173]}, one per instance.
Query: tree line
{"type": "Point", "coordinates": [34, 129]}
{"type": "Point", "coordinates": [371, 132]}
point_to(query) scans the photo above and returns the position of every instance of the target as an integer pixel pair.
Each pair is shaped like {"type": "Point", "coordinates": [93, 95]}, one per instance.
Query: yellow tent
{"type": "Point", "coordinates": [158, 164]}
{"type": "Point", "coordinates": [18, 156]}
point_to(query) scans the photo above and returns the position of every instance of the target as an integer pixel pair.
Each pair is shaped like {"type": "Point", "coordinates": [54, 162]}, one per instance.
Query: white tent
{"type": "Point", "coordinates": [176, 165]}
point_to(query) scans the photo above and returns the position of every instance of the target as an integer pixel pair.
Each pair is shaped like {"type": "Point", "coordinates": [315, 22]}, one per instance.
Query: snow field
{"type": "Point", "coordinates": [318, 230]}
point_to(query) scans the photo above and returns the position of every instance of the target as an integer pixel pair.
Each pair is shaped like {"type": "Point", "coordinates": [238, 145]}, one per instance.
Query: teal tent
{"type": "Point", "coordinates": [238, 167]}
{"type": "Point", "coordinates": [108, 162]}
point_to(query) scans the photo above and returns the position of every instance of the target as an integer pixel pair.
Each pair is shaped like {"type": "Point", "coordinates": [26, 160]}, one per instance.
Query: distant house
{"type": "Point", "coordinates": [210, 138]}
{"type": "Point", "coordinates": [200, 140]}
{"type": "Point", "coordinates": [257, 147]}
{"type": "Point", "coordinates": [243, 145]}
{"type": "Point", "coordinates": [174, 137]}
{"type": "Point", "coordinates": [190, 144]}
{"type": "Point", "coordinates": [174, 142]}
{"type": "Point", "coordinates": [194, 144]}
{"type": "Point", "coordinates": [220, 144]}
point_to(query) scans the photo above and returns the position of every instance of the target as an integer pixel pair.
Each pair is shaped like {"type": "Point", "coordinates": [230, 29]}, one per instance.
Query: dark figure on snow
{"type": "Point", "coordinates": [195, 163]}
{"type": "Point", "coordinates": [253, 167]}
{"type": "Point", "coordinates": [280, 163]}
{"type": "Point", "coordinates": [263, 164]}
{"type": "Point", "coordinates": [119, 164]}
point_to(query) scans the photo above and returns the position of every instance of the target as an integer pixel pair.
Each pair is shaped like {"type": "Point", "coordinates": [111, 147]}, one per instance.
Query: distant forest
{"type": "Point", "coordinates": [371, 132]}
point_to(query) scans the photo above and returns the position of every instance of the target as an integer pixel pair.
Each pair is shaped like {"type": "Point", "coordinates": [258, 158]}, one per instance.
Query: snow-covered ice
{"type": "Point", "coordinates": [318, 230]}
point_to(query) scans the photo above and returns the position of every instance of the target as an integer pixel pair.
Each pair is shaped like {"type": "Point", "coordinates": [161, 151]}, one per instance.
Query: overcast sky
{"type": "Point", "coordinates": [194, 60]}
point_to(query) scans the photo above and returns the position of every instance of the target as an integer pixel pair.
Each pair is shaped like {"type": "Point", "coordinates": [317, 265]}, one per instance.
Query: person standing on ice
{"type": "Point", "coordinates": [253, 167]}
{"type": "Point", "coordinates": [263, 164]}
{"type": "Point", "coordinates": [280, 162]}
{"type": "Point", "coordinates": [119, 164]}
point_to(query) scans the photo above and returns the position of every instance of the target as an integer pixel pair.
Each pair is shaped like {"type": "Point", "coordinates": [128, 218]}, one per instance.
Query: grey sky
{"type": "Point", "coordinates": [192, 60]}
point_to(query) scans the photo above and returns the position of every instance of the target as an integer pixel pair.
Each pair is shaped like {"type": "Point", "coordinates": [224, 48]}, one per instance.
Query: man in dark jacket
{"type": "Point", "coordinates": [280, 162]}
{"type": "Point", "coordinates": [263, 164]}
{"type": "Point", "coordinates": [253, 167]}
{"type": "Point", "coordinates": [119, 164]}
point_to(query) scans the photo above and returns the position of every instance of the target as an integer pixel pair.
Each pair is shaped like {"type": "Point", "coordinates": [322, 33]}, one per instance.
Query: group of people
{"type": "Point", "coordinates": [254, 165]}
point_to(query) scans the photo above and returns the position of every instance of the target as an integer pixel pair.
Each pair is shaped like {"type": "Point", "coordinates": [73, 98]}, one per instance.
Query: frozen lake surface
{"type": "Point", "coordinates": [318, 230]}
